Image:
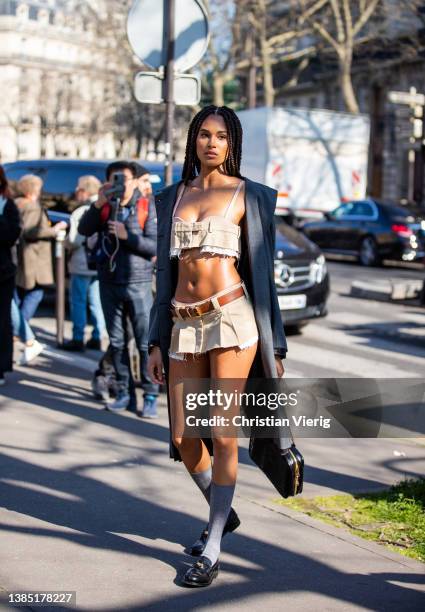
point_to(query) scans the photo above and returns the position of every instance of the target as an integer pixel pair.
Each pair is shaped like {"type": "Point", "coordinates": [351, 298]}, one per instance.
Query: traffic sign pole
{"type": "Point", "coordinates": [416, 153]}
{"type": "Point", "coordinates": [169, 47]}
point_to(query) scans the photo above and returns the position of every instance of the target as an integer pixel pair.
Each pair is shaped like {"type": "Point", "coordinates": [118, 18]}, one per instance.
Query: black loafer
{"type": "Point", "coordinates": [202, 573]}
{"type": "Point", "coordinates": [232, 523]}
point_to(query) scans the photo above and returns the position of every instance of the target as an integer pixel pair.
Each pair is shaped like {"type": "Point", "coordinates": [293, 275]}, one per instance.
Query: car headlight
{"type": "Point", "coordinates": [318, 269]}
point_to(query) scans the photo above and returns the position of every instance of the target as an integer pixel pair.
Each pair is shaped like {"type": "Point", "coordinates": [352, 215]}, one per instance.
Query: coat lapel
{"type": "Point", "coordinates": [164, 207]}
{"type": "Point", "coordinates": [259, 269]}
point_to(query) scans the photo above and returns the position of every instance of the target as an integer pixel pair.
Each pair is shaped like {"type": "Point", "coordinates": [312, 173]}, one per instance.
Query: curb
{"type": "Point", "coordinates": [387, 290]}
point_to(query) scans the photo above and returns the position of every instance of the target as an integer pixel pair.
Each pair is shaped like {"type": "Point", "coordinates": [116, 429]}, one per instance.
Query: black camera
{"type": "Point", "coordinates": [117, 189]}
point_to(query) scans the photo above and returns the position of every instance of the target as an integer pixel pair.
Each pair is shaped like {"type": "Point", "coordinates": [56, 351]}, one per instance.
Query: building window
{"type": "Point", "coordinates": [8, 7]}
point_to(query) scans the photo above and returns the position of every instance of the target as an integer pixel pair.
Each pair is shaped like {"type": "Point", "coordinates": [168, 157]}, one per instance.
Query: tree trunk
{"type": "Point", "coordinates": [349, 96]}
{"type": "Point", "coordinates": [269, 92]}
{"type": "Point", "coordinates": [218, 86]}
{"type": "Point", "coordinates": [252, 72]}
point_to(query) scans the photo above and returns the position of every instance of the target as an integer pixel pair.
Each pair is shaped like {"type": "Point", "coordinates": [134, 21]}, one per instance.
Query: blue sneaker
{"type": "Point", "coordinates": [149, 407]}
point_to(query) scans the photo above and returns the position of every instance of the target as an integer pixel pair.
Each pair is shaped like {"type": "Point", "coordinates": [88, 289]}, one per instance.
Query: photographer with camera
{"type": "Point", "coordinates": [125, 222]}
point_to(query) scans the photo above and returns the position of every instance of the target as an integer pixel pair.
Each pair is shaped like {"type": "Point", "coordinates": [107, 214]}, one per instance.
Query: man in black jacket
{"type": "Point", "coordinates": [126, 226]}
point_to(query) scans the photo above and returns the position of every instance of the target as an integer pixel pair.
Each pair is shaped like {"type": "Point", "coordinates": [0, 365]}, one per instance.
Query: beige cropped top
{"type": "Point", "coordinates": [214, 234]}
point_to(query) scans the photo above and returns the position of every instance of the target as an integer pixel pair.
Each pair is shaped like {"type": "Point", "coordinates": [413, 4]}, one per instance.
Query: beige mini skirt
{"type": "Point", "coordinates": [230, 325]}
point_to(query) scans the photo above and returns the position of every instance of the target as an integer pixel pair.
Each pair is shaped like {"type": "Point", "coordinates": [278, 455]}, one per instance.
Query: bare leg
{"type": "Point", "coordinates": [229, 363]}
{"type": "Point", "coordinates": [193, 451]}
{"type": "Point", "coordinates": [225, 363]}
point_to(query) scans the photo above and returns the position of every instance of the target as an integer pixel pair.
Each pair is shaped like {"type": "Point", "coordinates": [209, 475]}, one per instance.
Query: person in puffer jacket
{"type": "Point", "coordinates": [126, 246]}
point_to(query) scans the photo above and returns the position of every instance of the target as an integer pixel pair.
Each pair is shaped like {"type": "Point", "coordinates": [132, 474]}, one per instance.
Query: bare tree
{"type": "Point", "coordinates": [222, 49]}
{"type": "Point", "coordinates": [277, 33]}
{"type": "Point", "coordinates": [341, 24]}
{"type": "Point", "coordinates": [269, 34]}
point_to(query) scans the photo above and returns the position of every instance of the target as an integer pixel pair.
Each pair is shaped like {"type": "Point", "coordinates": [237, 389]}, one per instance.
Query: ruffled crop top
{"type": "Point", "coordinates": [214, 234]}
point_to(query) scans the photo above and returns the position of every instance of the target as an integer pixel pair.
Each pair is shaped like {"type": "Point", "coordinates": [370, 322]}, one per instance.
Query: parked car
{"type": "Point", "coordinates": [371, 230]}
{"type": "Point", "coordinates": [60, 177]}
{"type": "Point", "coordinates": [301, 276]}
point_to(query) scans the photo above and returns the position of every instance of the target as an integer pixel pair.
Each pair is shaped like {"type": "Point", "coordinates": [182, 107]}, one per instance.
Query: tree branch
{"type": "Point", "coordinates": [365, 16]}
{"type": "Point", "coordinates": [325, 34]}
{"type": "Point", "coordinates": [338, 21]}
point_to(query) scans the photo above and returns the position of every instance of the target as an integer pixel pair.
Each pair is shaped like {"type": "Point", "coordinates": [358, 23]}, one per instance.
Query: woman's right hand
{"type": "Point", "coordinates": [61, 225]}
{"type": "Point", "coordinates": [155, 366]}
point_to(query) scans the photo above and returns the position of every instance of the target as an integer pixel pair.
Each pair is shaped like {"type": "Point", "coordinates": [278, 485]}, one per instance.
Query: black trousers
{"type": "Point", "coordinates": [7, 287]}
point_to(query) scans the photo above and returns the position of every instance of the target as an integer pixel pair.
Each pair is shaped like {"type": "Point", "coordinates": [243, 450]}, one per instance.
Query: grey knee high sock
{"type": "Point", "coordinates": [220, 503]}
{"type": "Point", "coordinates": [203, 480]}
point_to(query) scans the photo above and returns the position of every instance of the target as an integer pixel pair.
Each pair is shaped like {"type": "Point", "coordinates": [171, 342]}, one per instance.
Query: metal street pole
{"type": "Point", "coordinates": [169, 46]}
{"type": "Point", "coordinates": [419, 135]}
{"type": "Point", "coordinates": [60, 286]}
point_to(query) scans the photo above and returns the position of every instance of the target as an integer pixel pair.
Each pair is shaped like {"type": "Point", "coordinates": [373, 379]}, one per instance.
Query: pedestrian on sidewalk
{"type": "Point", "coordinates": [35, 268]}
{"type": "Point", "coordinates": [10, 228]}
{"type": "Point", "coordinates": [84, 282]}
{"type": "Point", "coordinates": [126, 226]}
{"type": "Point", "coordinates": [21, 328]}
{"type": "Point", "coordinates": [204, 322]}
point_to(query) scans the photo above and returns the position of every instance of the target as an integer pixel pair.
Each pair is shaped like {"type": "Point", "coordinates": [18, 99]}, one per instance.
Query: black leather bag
{"type": "Point", "coordinates": [284, 467]}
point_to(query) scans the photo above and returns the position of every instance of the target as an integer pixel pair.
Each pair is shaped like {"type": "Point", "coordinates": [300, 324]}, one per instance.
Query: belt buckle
{"type": "Point", "coordinates": [198, 311]}
{"type": "Point", "coordinates": [193, 311]}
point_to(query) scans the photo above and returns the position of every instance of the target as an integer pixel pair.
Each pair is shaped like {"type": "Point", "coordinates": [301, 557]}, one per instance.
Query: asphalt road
{"type": "Point", "coordinates": [361, 337]}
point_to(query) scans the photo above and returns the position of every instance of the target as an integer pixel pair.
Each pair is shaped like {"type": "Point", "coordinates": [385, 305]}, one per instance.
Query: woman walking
{"type": "Point", "coordinates": [35, 269]}
{"type": "Point", "coordinates": [224, 320]}
{"type": "Point", "coordinates": [9, 234]}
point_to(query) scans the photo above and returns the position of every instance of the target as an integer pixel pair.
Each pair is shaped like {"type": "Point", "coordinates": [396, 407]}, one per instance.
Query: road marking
{"type": "Point", "coordinates": [350, 366]}
{"type": "Point", "coordinates": [393, 348]}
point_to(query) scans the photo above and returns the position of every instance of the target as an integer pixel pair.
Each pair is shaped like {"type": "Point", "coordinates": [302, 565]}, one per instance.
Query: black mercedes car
{"type": "Point", "coordinates": [301, 276]}
{"type": "Point", "coordinates": [371, 230]}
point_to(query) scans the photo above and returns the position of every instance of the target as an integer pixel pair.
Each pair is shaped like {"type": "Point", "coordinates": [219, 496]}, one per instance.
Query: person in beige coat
{"type": "Point", "coordinates": [35, 268]}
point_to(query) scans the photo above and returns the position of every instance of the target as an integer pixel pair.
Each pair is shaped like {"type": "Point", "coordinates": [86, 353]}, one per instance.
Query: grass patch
{"type": "Point", "coordinates": [394, 517]}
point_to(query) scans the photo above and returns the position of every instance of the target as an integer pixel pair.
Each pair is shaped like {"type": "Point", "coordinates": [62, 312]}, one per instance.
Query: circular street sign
{"type": "Point", "coordinates": [145, 26]}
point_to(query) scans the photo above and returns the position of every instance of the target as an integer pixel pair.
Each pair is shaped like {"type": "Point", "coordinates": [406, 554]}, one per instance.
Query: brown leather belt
{"type": "Point", "coordinates": [187, 312]}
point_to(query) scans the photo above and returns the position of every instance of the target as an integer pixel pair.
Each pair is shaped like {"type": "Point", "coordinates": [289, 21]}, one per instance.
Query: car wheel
{"type": "Point", "coordinates": [368, 253]}
{"type": "Point", "coordinates": [295, 328]}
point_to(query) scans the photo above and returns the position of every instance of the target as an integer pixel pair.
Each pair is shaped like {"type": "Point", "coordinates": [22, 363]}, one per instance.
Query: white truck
{"type": "Point", "coordinates": [314, 158]}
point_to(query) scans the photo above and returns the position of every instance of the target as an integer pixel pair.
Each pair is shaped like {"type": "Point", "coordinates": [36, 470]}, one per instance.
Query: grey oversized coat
{"type": "Point", "coordinates": [256, 268]}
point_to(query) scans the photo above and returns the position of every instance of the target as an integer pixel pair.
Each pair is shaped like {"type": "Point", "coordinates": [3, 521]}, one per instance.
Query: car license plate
{"type": "Point", "coordinates": [292, 302]}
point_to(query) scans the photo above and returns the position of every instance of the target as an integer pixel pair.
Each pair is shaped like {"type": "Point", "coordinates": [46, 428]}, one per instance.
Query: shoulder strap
{"type": "Point", "coordinates": [179, 197]}
{"type": "Point", "coordinates": [235, 195]}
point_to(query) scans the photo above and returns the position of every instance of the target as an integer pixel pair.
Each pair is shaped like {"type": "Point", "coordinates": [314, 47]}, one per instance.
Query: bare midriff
{"type": "Point", "coordinates": [201, 275]}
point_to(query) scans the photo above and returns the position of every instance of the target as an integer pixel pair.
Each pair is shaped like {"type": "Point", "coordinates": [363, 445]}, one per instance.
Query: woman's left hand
{"type": "Point", "coordinates": [279, 367]}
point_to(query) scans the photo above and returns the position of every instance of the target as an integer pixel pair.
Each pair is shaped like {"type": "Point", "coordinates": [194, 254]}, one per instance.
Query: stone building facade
{"type": "Point", "coordinates": [59, 82]}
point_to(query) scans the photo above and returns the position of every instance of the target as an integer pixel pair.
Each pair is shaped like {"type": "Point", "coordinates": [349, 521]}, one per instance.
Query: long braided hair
{"type": "Point", "coordinates": [232, 163]}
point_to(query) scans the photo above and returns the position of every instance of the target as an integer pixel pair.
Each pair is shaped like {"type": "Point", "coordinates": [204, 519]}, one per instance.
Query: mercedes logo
{"type": "Point", "coordinates": [286, 276]}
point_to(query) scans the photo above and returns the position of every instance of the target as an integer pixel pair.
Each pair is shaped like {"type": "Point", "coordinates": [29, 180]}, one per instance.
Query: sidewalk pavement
{"type": "Point", "coordinates": [90, 501]}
